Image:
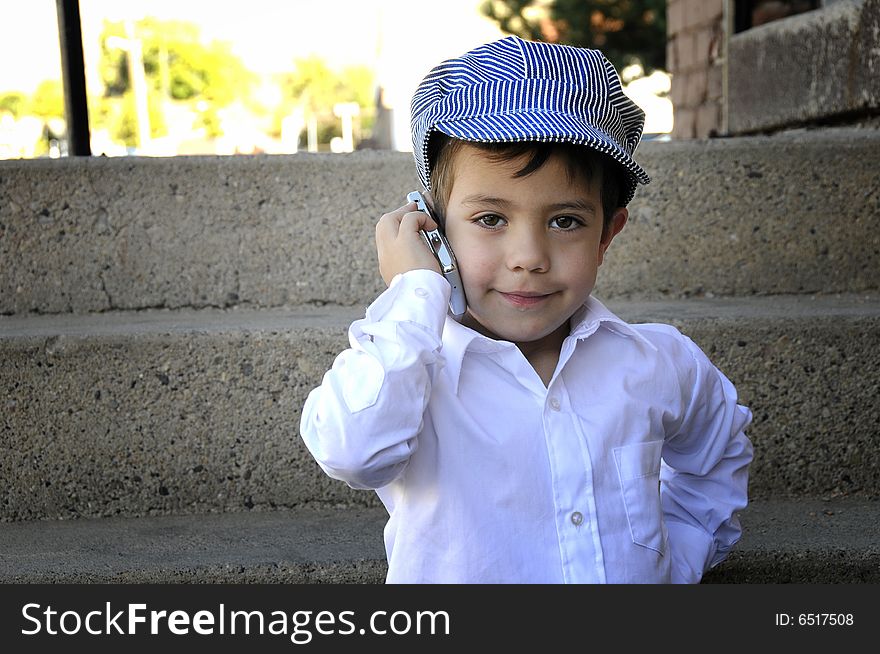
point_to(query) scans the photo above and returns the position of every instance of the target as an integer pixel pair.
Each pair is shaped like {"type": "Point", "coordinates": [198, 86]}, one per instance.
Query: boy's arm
{"type": "Point", "coordinates": [704, 474]}
{"type": "Point", "coordinates": [361, 423]}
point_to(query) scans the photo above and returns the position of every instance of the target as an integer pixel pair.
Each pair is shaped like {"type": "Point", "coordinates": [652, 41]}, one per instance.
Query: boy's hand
{"type": "Point", "coordinates": [400, 246]}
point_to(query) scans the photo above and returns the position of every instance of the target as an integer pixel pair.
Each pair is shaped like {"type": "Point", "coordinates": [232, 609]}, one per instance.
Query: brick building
{"type": "Point", "coordinates": [693, 56]}
{"type": "Point", "coordinates": [748, 66]}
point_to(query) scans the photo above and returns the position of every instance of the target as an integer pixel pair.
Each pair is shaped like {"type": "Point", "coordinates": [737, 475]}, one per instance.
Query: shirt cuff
{"type": "Point", "coordinates": [417, 296]}
{"type": "Point", "coordinates": [692, 551]}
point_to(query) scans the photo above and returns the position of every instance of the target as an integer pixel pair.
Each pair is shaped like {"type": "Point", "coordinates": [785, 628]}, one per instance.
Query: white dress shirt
{"type": "Point", "coordinates": [627, 468]}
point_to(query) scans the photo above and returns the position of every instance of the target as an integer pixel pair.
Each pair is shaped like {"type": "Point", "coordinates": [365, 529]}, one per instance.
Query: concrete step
{"type": "Point", "coordinates": [180, 412]}
{"type": "Point", "coordinates": [792, 213]}
{"type": "Point", "coordinates": [800, 541]}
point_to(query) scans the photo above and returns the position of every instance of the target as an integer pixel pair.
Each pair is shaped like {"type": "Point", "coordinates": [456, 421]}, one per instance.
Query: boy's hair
{"type": "Point", "coordinates": [581, 162]}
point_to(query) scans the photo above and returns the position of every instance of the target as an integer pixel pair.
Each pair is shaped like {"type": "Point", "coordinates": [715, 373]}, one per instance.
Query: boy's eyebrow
{"type": "Point", "coordinates": [480, 199]}
{"type": "Point", "coordinates": [577, 204]}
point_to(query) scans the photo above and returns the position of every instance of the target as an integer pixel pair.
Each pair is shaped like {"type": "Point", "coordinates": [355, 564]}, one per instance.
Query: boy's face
{"type": "Point", "coordinates": [528, 248]}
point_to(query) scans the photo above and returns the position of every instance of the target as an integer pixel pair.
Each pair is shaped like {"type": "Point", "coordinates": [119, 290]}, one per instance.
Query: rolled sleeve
{"type": "Point", "coordinates": [361, 423]}
{"type": "Point", "coordinates": [692, 552]}
{"type": "Point", "coordinates": [704, 475]}
{"type": "Point", "coordinates": [426, 290]}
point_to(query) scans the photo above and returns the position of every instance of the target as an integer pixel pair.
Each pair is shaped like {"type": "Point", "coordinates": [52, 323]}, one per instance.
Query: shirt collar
{"type": "Point", "coordinates": [457, 340]}
{"type": "Point", "coordinates": [593, 315]}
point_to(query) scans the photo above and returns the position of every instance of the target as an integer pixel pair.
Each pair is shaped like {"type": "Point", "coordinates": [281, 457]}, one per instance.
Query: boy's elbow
{"type": "Point", "coordinates": [362, 463]}
{"type": "Point", "coordinates": [362, 477]}
{"type": "Point", "coordinates": [358, 448]}
{"type": "Point", "coordinates": [359, 468]}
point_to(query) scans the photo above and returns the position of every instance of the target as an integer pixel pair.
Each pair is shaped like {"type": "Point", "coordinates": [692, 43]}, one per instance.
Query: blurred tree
{"type": "Point", "coordinates": [178, 66]}
{"type": "Point", "coordinates": [47, 101]}
{"type": "Point", "coordinates": [627, 31]}
{"type": "Point", "coordinates": [314, 88]}
{"type": "Point", "coordinates": [200, 77]}
{"type": "Point", "coordinates": [14, 102]}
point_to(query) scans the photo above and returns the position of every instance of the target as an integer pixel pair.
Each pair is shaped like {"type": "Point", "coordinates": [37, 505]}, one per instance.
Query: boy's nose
{"type": "Point", "coordinates": [527, 251]}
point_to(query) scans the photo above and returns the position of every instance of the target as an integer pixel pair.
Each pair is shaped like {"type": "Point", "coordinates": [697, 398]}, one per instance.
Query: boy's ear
{"type": "Point", "coordinates": [618, 220]}
{"type": "Point", "coordinates": [432, 207]}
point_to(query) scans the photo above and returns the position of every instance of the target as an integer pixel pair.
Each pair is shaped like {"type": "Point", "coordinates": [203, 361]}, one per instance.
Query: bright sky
{"type": "Point", "coordinates": [403, 35]}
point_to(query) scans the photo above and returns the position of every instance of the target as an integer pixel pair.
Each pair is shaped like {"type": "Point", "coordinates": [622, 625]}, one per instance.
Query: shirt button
{"type": "Point", "coordinates": [420, 292]}
{"type": "Point", "coordinates": [577, 518]}
{"type": "Point", "coordinates": [554, 404]}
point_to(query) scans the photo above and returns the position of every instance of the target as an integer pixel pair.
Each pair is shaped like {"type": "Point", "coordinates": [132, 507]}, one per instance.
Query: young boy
{"type": "Point", "coordinates": [540, 439]}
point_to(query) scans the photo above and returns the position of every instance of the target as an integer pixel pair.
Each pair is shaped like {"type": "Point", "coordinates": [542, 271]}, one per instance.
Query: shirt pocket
{"type": "Point", "coordinates": [638, 468]}
{"type": "Point", "coordinates": [361, 384]}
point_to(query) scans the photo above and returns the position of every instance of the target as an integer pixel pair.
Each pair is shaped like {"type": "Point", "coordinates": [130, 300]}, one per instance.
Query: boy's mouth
{"type": "Point", "coordinates": [524, 298]}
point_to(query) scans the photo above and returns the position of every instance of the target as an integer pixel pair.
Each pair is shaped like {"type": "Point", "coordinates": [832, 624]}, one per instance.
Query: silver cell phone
{"type": "Point", "coordinates": [439, 246]}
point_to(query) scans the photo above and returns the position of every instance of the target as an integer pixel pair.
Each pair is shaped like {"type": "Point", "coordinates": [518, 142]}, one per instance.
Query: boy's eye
{"type": "Point", "coordinates": [490, 220]}
{"type": "Point", "coordinates": [566, 222]}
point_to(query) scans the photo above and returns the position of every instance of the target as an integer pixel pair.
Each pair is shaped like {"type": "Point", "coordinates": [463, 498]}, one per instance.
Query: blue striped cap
{"type": "Point", "coordinates": [516, 90]}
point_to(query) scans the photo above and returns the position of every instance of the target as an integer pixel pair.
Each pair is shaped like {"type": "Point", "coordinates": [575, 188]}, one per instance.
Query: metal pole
{"type": "Point", "coordinates": [73, 71]}
{"type": "Point", "coordinates": [727, 31]}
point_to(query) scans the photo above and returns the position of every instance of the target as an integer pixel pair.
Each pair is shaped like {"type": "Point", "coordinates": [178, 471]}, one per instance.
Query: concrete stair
{"type": "Point", "coordinates": [784, 541]}
{"type": "Point", "coordinates": [165, 319]}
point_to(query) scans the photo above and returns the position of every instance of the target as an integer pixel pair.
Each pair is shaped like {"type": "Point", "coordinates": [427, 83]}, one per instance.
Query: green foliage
{"type": "Point", "coordinates": [184, 73]}
{"type": "Point", "coordinates": [511, 18]}
{"type": "Point", "coordinates": [14, 103]}
{"type": "Point", "coordinates": [48, 100]}
{"type": "Point", "coordinates": [627, 31]}
{"type": "Point", "coordinates": [178, 66]}
{"type": "Point", "coordinates": [314, 87]}
{"type": "Point", "coordinates": [176, 62]}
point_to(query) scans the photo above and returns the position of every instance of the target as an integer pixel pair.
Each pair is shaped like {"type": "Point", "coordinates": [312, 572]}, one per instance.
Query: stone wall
{"type": "Point", "coordinates": [815, 68]}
